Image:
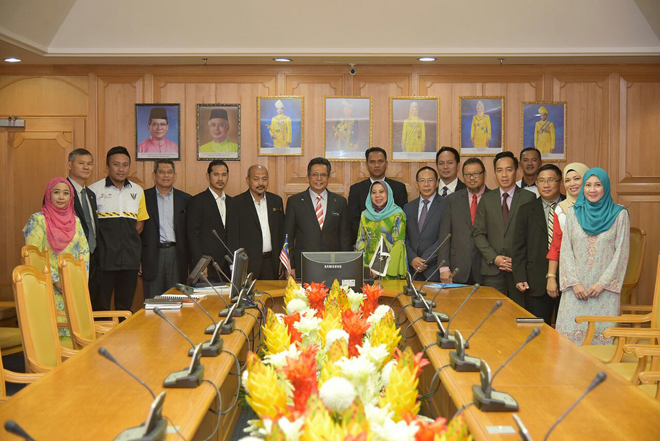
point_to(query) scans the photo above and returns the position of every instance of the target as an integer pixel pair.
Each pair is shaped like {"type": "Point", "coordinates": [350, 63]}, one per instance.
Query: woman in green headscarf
{"type": "Point", "coordinates": [593, 258]}
{"type": "Point", "coordinates": [383, 218]}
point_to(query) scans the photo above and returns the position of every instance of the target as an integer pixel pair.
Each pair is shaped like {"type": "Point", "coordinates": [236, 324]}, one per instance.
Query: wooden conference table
{"type": "Point", "coordinates": [88, 397]}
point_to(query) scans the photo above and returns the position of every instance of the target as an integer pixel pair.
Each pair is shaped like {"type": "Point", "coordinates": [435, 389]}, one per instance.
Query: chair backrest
{"type": "Point", "coordinates": [35, 305]}
{"type": "Point", "coordinates": [77, 304]}
{"type": "Point", "coordinates": [33, 256]}
{"type": "Point", "coordinates": [655, 308]}
{"type": "Point", "coordinates": [635, 263]}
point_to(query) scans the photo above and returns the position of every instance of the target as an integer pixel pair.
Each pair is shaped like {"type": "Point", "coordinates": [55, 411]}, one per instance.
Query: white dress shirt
{"type": "Point", "coordinates": [451, 187]}
{"type": "Point", "coordinates": [262, 214]}
{"type": "Point", "coordinates": [222, 205]}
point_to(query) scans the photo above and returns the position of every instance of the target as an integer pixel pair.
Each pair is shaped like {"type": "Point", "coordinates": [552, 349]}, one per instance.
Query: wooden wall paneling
{"type": "Point", "coordinates": [314, 89]}
{"type": "Point", "coordinates": [192, 174]}
{"type": "Point", "coordinates": [43, 96]}
{"type": "Point", "coordinates": [6, 231]}
{"type": "Point", "coordinates": [644, 213]}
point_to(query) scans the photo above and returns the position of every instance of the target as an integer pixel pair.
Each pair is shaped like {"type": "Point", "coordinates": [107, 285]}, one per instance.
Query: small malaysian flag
{"type": "Point", "coordinates": [284, 256]}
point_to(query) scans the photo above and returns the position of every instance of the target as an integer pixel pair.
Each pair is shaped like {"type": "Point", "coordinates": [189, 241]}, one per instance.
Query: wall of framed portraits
{"type": "Point", "coordinates": [601, 115]}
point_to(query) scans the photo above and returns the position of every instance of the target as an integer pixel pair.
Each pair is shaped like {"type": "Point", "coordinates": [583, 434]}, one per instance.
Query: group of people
{"type": "Point", "coordinates": [524, 238]}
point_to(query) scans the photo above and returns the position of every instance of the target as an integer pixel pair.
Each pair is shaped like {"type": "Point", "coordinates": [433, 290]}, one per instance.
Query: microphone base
{"type": "Point", "coordinates": [467, 364]}
{"type": "Point", "coordinates": [182, 379]}
{"type": "Point", "coordinates": [137, 433]}
{"type": "Point", "coordinates": [228, 328]}
{"type": "Point", "coordinates": [498, 401]}
{"type": "Point", "coordinates": [447, 342]}
{"type": "Point", "coordinates": [239, 311]}
{"type": "Point", "coordinates": [409, 291]}
{"type": "Point", "coordinates": [209, 329]}
{"type": "Point", "coordinates": [417, 303]}
{"type": "Point", "coordinates": [208, 349]}
{"type": "Point", "coordinates": [430, 316]}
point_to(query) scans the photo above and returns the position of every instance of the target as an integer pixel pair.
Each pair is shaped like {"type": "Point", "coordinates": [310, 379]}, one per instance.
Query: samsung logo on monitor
{"type": "Point", "coordinates": [332, 266]}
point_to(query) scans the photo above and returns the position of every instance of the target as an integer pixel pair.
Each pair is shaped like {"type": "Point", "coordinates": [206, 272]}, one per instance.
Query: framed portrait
{"type": "Point", "coordinates": [544, 127]}
{"type": "Point", "coordinates": [481, 125]}
{"type": "Point", "coordinates": [280, 121]}
{"type": "Point", "coordinates": [218, 132]}
{"type": "Point", "coordinates": [414, 128]}
{"type": "Point", "coordinates": [157, 132]}
{"type": "Point", "coordinates": [347, 127]}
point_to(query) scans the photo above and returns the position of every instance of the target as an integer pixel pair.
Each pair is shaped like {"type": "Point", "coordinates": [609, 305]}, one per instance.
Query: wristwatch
{"type": "Point", "coordinates": [547, 276]}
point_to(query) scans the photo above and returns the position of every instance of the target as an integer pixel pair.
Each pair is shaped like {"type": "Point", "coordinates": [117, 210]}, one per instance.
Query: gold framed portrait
{"type": "Point", "coordinates": [347, 127]}
{"type": "Point", "coordinates": [280, 121]}
{"type": "Point", "coordinates": [414, 128]}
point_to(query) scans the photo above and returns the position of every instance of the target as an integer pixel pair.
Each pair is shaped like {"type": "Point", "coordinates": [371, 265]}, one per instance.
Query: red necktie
{"type": "Point", "coordinates": [473, 208]}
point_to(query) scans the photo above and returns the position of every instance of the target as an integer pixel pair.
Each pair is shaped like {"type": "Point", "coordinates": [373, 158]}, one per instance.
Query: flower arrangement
{"type": "Point", "coordinates": [332, 370]}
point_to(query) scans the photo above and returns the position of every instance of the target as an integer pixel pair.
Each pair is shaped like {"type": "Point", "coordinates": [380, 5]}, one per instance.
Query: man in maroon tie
{"type": "Point", "coordinates": [458, 220]}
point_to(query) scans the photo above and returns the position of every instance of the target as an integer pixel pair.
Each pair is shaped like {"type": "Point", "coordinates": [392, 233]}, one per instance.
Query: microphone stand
{"type": "Point", "coordinates": [448, 341]}
{"type": "Point", "coordinates": [459, 360]}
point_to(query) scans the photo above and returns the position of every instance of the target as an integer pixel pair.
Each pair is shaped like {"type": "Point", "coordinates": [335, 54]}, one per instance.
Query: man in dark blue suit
{"type": "Point", "coordinates": [423, 224]}
{"type": "Point", "coordinates": [165, 256]}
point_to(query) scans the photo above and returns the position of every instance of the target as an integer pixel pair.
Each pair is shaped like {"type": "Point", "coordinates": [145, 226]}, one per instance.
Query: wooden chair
{"type": "Point", "coordinates": [635, 264]}
{"type": "Point", "coordinates": [615, 353]}
{"type": "Point", "coordinates": [35, 304]}
{"type": "Point", "coordinates": [78, 305]}
{"type": "Point", "coordinates": [7, 376]}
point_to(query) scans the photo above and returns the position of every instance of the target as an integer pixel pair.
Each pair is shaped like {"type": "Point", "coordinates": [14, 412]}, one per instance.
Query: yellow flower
{"type": "Point", "coordinates": [329, 323]}
{"type": "Point", "coordinates": [289, 291]}
{"type": "Point", "coordinates": [276, 335]}
{"type": "Point", "coordinates": [318, 422]}
{"type": "Point", "coordinates": [385, 332]}
{"type": "Point", "coordinates": [401, 392]}
{"type": "Point", "coordinates": [266, 395]}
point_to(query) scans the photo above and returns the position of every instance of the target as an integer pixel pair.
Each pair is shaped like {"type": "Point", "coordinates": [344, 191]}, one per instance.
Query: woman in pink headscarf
{"type": "Point", "coordinates": [57, 229]}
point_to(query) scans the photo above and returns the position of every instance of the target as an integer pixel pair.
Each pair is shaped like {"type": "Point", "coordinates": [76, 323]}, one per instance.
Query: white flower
{"type": "Point", "coordinates": [333, 335]}
{"type": "Point", "coordinates": [377, 415]}
{"type": "Point", "coordinates": [300, 293]}
{"type": "Point", "coordinates": [362, 373]}
{"type": "Point", "coordinates": [378, 314]}
{"type": "Point", "coordinates": [251, 438]}
{"type": "Point", "coordinates": [292, 429]}
{"type": "Point", "coordinates": [296, 305]}
{"type": "Point", "coordinates": [244, 379]}
{"type": "Point", "coordinates": [255, 429]}
{"type": "Point", "coordinates": [375, 354]}
{"type": "Point", "coordinates": [337, 394]}
{"type": "Point", "coordinates": [386, 371]}
{"type": "Point", "coordinates": [308, 327]}
{"type": "Point", "coordinates": [279, 360]}
{"type": "Point", "coordinates": [354, 299]}
{"type": "Point", "coordinates": [391, 431]}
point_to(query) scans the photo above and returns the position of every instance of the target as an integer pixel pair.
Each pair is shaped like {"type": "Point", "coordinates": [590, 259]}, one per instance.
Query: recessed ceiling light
{"type": "Point", "coordinates": [426, 59]}
{"type": "Point", "coordinates": [282, 60]}
{"type": "Point", "coordinates": [12, 60]}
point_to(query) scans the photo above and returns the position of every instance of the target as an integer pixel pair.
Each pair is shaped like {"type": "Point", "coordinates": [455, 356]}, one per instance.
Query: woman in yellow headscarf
{"type": "Point", "coordinates": [413, 138]}
{"type": "Point", "coordinates": [480, 133]}
{"type": "Point", "coordinates": [544, 133]}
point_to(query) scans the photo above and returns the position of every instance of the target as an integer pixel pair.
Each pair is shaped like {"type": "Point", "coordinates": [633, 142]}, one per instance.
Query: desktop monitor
{"type": "Point", "coordinates": [199, 269]}
{"type": "Point", "coordinates": [345, 266]}
{"type": "Point", "coordinates": [239, 272]}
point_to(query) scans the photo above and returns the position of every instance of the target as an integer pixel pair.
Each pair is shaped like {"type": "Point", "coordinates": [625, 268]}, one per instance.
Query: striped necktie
{"type": "Point", "coordinates": [319, 211]}
{"type": "Point", "coordinates": [551, 218]}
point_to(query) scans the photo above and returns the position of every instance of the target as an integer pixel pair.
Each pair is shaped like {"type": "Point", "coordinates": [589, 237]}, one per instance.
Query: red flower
{"type": "Point", "coordinates": [406, 358]}
{"type": "Point", "coordinates": [356, 326]}
{"type": "Point", "coordinates": [316, 293]}
{"type": "Point", "coordinates": [370, 303]}
{"type": "Point", "coordinates": [301, 372]}
{"type": "Point", "coordinates": [427, 431]}
{"type": "Point", "coordinates": [289, 320]}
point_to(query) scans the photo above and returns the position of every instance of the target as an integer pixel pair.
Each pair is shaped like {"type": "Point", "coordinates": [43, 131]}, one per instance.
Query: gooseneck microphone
{"type": "Point", "coordinates": [435, 316]}
{"type": "Point", "coordinates": [240, 309]}
{"type": "Point", "coordinates": [600, 377]}
{"type": "Point", "coordinates": [444, 284]}
{"type": "Point", "coordinates": [155, 425]}
{"type": "Point", "coordinates": [160, 314]}
{"type": "Point", "coordinates": [12, 427]}
{"type": "Point", "coordinates": [458, 359]}
{"type": "Point", "coordinates": [448, 341]}
{"type": "Point", "coordinates": [433, 253]}
{"type": "Point", "coordinates": [215, 233]}
{"type": "Point", "coordinates": [210, 328]}
{"type": "Point", "coordinates": [206, 279]}
{"type": "Point", "coordinates": [485, 397]}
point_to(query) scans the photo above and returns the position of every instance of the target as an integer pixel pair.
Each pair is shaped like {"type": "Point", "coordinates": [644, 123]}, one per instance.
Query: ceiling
{"type": "Point", "coordinates": [336, 32]}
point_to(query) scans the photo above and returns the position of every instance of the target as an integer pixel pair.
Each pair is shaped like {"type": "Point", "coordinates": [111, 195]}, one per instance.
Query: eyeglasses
{"type": "Point", "coordinates": [319, 175]}
{"type": "Point", "coordinates": [162, 125]}
{"type": "Point", "coordinates": [547, 181]}
{"type": "Point", "coordinates": [426, 181]}
{"type": "Point", "coordinates": [472, 175]}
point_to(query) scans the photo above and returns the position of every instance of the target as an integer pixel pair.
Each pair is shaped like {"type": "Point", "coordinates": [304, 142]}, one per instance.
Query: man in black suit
{"type": "Point", "coordinates": [80, 166]}
{"type": "Point", "coordinates": [257, 225]}
{"type": "Point", "coordinates": [494, 226]}
{"type": "Point", "coordinates": [531, 242]}
{"type": "Point", "coordinates": [207, 212]}
{"type": "Point", "coordinates": [458, 220]}
{"type": "Point", "coordinates": [423, 224]}
{"type": "Point", "coordinates": [357, 197]}
{"type": "Point", "coordinates": [316, 219]}
{"type": "Point", "coordinates": [447, 160]}
{"type": "Point", "coordinates": [165, 255]}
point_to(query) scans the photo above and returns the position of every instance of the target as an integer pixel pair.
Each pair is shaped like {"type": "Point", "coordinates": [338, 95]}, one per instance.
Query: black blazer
{"type": "Point", "coordinates": [303, 228]}
{"type": "Point", "coordinates": [357, 202]}
{"type": "Point", "coordinates": [459, 251]}
{"type": "Point", "coordinates": [246, 229]}
{"type": "Point", "coordinates": [77, 207]}
{"type": "Point", "coordinates": [202, 218]}
{"type": "Point", "coordinates": [423, 243]}
{"type": "Point", "coordinates": [530, 247]}
{"type": "Point", "coordinates": [151, 234]}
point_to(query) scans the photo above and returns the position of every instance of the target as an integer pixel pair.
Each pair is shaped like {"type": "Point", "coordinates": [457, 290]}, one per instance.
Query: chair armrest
{"type": "Point", "coordinates": [112, 314]}
{"type": "Point", "coordinates": [649, 377]}
{"type": "Point", "coordinates": [7, 304]}
{"type": "Point", "coordinates": [16, 377]}
{"type": "Point", "coordinates": [63, 325]}
{"type": "Point", "coordinates": [628, 318]}
{"type": "Point", "coordinates": [67, 353]}
{"type": "Point", "coordinates": [647, 350]}
{"type": "Point", "coordinates": [632, 332]}
{"type": "Point", "coordinates": [631, 347]}
{"type": "Point", "coordinates": [637, 308]}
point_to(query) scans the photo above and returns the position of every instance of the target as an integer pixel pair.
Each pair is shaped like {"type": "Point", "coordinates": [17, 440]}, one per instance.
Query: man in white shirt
{"type": "Point", "coordinates": [447, 160]}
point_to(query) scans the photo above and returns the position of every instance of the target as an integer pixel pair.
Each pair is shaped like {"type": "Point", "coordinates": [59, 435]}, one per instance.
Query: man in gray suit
{"type": "Point", "coordinates": [423, 223]}
{"type": "Point", "coordinates": [494, 227]}
{"type": "Point", "coordinates": [458, 220]}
